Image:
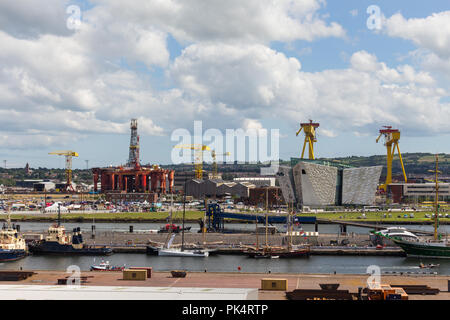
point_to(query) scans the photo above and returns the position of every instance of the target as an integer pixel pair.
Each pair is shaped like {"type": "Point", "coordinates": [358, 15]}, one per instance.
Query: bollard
{"type": "Point", "coordinates": [18, 227]}
{"type": "Point", "coordinates": [92, 232]}
{"type": "Point", "coordinates": [131, 229]}
{"type": "Point", "coordinates": [316, 227]}
{"type": "Point", "coordinates": [360, 289]}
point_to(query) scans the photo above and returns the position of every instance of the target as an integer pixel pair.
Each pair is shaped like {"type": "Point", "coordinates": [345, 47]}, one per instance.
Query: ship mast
{"type": "Point", "coordinates": [184, 213]}
{"type": "Point", "coordinates": [436, 200]}
{"type": "Point", "coordinates": [59, 214]}
{"type": "Point", "coordinates": [267, 213]}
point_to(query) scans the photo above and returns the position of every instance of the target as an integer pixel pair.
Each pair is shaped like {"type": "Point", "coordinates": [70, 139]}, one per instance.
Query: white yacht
{"type": "Point", "coordinates": [177, 252]}
{"type": "Point", "coordinates": [399, 232]}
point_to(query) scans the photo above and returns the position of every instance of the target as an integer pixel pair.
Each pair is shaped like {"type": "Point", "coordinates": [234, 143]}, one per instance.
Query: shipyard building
{"type": "Point", "coordinates": [321, 183]}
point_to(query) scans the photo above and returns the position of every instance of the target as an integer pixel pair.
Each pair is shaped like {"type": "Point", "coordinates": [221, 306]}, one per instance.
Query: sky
{"type": "Point", "coordinates": [74, 73]}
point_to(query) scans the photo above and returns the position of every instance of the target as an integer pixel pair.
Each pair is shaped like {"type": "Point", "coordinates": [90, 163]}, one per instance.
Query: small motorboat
{"type": "Point", "coordinates": [170, 227]}
{"type": "Point", "coordinates": [428, 266]}
{"type": "Point", "coordinates": [105, 266]}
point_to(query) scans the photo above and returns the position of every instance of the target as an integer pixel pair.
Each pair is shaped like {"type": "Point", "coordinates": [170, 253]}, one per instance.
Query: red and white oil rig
{"type": "Point", "coordinates": [134, 178]}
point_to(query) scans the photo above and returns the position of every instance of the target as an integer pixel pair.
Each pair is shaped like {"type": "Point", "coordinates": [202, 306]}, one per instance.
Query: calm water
{"type": "Point", "coordinates": [229, 263]}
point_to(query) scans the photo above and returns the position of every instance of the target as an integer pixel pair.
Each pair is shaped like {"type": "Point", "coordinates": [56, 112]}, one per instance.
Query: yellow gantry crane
{"type": "Point", "coordinates": [213, 155]}
{"type": "Point", "coordinates": [391, 136]}
{"type": "Point", "coordinates": [198, 156]}
{"type": "Point", "coordinates": [68, 154]}
{"type": "Point", "coordinates": [310, 137]}
{"type": "Point", "coordinates": [198, 162]}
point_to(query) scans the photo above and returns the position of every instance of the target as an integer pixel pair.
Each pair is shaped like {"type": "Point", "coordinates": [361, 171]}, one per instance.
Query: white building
{"type": "Point", "coordinates": [257, 181]}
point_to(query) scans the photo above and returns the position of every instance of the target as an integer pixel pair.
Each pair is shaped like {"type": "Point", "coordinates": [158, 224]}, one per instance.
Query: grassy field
{"type": "Point", "coordinates": [419, 217]}
{"type": "Point", "coordinates": [113, 217]}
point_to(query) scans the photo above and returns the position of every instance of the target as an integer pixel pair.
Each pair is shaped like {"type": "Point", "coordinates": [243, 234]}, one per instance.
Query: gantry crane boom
{"type": "Point", "coordinates": [310, 137]}
{"type": "Point", "coordinates": [392, 137]}
{"type": "Point", "coordinates": [68, 154]}
{"type": "Point", "coordinates": [198, 160]}
{"type": "Point", "coordinates": [198, 163]}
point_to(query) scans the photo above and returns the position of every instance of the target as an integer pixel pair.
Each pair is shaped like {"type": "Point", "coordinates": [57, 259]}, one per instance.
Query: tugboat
{"type": "Point", "coordinates": [60, 243]}
{"type": "Point", "coordinates": [12, 245]}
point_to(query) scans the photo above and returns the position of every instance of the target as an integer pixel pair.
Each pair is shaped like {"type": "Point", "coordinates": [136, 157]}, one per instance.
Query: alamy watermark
{"type": "Point", "coordinates": [374, 280]}
{"type": "Point", "coordinates": [74, 279]}
{"type": "Point", "coordinates": [73, 22]}
{"type": "Point", "coordinates": [236, 145]}
{"type": "Point", "coordinates": [374, 20]}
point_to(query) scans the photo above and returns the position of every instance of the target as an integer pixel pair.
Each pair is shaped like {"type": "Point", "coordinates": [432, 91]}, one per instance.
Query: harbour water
{"type": "Point", "coordinates": [231, 263]}
{"type": "Point", "coordinates": [238, 263]}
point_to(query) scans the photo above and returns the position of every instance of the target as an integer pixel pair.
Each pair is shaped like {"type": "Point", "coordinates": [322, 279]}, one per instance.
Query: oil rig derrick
{"type": "Point", "coordinates": [134, 177]}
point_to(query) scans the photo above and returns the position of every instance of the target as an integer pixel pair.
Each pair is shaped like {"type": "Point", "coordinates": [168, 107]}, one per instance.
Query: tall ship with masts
{"type": "Point", "coordinates": [182, 251]}
{"type": "Point", "coordinates": [12, 244]}
{"type": "Point", "coordinates": [289, 251]}
{"type": "Point", "coordinates": [434, 248]}
{"type": "Point", "coordinates": [59, 242]}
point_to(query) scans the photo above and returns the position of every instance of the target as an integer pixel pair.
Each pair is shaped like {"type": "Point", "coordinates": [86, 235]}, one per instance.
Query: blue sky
{"type": "Point", "coordinates": [231, 67]}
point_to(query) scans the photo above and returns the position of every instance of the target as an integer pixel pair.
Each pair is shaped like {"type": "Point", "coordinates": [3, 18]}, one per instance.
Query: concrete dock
{"type": "Point", "coordinates": [324, 244]}
{"type": "Point", "coordinates": [242, 280]}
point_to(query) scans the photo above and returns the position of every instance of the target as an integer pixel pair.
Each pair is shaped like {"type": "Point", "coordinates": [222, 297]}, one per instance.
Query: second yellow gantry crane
{"type": "Point", "coordinates": [198, 156]}
{"type": "Point", "coordinates": [392, 137]}
{"type": "Point", "coordinates": [68, 154]}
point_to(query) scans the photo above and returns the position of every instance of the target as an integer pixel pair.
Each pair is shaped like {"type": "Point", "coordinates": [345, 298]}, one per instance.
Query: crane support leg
{"type": "Point", "coordinates": [304, 145]}
{"type": "Point", "coordinates": [401, 161]}
{"type": "Point", "coordinates": [311, 150]}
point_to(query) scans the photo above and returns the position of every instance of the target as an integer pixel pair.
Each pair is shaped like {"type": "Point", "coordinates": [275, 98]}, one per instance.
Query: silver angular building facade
{"type": "Point", "coordinates": [309, 183]}
{"type": "Point", "coordinates": [359, 185]}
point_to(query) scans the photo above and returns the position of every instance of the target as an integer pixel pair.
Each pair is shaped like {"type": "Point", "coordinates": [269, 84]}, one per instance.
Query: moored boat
{"type": "Point", "coordinates": [275, 253]}
{"type": "Point", "coordinates": [105, 266]}
{"type": "Point", "coordinates": [179, 252]}
{"type": "Point", "coordinates": [58, 242]}
{"type": "Point", "coordinates": [12, 244]}
{"type": "Point", "coordinates": [170, 227]}
{"type": "Point", "coordinates": [430, 248]}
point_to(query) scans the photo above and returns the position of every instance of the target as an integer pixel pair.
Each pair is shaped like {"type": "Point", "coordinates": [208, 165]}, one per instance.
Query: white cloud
{"type": "Point", "coordinates": [232, 20]}
{"type": "Point", "coordinates": [430, 34]}
{"type": "Point", "coordinates": [256, 82]}
{"type": "Point", "coordinates": [33, 18]}
{"type": "Point", "coordinates": [58, 85]}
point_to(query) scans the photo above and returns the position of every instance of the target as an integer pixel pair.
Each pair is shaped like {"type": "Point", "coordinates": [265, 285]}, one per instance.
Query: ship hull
{"type": "Point", "coordinates": [424, 250]}
{"type": "Point", "coordinates": [12, 255]}
{"type": "Point", "coordinates": [54, 248]}
{"type": "Point", "coordinates": [303, 253]}
{"type": "Point", "coordinates": [179, 253]}
{"type": "Point", "coordinates": [152, 251]}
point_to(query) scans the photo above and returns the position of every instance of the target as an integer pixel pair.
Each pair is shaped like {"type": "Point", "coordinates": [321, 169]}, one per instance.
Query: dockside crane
{"type": "Point", "coordinates": [198, 163]}
{"type": "Point", "coordinates": [214, 155]}
{"type": "Point", "coordinates": [198, 156]}
{"type": "Point", "coordinates": [392, 137]}
{"type": "Point", "coordinates": [68, 154]}
{"type": "Point", "coordinates": [310, 137]}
